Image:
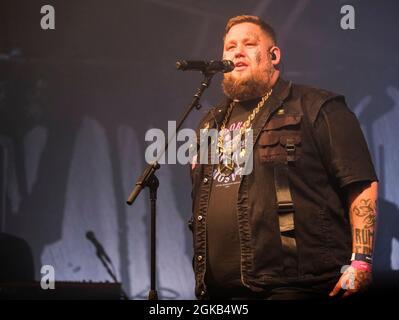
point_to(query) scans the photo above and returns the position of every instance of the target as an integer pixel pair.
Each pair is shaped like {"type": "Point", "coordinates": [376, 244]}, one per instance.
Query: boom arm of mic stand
{"type": "Point", "coordinates": [142, 182]}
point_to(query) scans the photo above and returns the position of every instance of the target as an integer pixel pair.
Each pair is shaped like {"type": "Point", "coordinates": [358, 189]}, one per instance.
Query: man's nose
{"type": "Point", "coordinates": [239, 52]}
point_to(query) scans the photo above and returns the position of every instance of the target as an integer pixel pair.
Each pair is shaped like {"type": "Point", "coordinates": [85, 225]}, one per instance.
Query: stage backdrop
{"type": "Point", "coordinates": [76, 102]}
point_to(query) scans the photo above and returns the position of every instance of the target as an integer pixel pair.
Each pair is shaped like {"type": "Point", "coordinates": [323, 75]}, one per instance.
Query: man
{"type": "Point", "coordinates": [301, 223]}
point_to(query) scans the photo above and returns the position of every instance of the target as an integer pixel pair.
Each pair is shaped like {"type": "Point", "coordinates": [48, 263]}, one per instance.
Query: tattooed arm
{"type": "Point", "coordinates": [363, 212]}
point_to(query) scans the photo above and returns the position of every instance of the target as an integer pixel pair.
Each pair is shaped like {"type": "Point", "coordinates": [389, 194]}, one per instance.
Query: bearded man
{"type": "Point", "coordinates": [301, 223]}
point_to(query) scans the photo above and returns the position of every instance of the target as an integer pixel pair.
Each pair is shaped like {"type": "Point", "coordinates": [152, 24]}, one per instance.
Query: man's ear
{"type": "Point", "coordinates": [275, 54]}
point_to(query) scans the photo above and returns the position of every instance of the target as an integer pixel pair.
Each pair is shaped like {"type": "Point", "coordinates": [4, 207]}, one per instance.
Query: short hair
{"type": "Point", "coordinates": [251, 19]}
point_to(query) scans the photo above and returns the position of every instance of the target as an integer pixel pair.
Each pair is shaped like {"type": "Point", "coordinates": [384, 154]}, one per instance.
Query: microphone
{"type": "Point", "coordinates": [100, 250]}
{"type": "Point", "coordinates": [211, 66]}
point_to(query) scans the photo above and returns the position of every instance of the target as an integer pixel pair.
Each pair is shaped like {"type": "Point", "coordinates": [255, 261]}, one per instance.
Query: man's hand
{"type": "Point", "coordinates": [353, 281]}
{"type": "Point", "coordinates": [362, 200]}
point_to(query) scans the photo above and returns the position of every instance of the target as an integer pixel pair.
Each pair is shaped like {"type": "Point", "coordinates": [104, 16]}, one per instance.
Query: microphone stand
{"type": "Point", "coordinates": [150, 180]}
{"type": "Point", "coordinates": [100, 256]}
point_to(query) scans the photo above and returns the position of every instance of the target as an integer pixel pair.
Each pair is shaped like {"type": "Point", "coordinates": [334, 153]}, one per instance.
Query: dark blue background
{"type": "Point", "coordinates": [75, 103]}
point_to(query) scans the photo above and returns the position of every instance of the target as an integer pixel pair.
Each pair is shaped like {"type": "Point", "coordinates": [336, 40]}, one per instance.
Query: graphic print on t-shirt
{"type": "Point", "coordinates": [232, 138]}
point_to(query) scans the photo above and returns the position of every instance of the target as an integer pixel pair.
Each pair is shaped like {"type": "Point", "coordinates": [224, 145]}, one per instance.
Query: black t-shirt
{"type": "Point", "coordinates": [223, 269]}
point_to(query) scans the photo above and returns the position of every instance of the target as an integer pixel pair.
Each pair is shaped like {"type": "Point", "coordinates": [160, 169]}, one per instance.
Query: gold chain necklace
{"type": "Point", "coordinates": [227, 168]}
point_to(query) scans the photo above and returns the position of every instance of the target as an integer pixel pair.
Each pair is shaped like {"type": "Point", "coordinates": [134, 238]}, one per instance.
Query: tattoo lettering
{"type": "Point", "coordinates": [363, 240]}
{"type": "Point", "coordinates": [366, 210]}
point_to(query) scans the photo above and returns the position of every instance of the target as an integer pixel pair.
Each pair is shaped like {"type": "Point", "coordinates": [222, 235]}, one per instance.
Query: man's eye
{"type": "Point", "coordinates": [230, 48]}
{"type": "Point", "coordinates": [250, 44]}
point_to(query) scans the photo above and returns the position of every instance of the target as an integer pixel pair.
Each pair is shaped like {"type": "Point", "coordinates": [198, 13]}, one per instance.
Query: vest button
{"type": "Point", "coordinates": [199, 218]}
{"type": "Point", "coordinates": [205, 180]}
{"type": "Point", "coordinates": [199, 258]}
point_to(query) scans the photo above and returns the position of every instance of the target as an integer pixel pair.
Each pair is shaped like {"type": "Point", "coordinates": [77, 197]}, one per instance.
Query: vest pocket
{"type": "Point", "coordinates": [280, 139]}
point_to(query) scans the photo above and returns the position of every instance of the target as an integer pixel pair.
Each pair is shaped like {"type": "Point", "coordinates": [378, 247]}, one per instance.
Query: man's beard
{"type": "Point", "coordinates": [253, 86]}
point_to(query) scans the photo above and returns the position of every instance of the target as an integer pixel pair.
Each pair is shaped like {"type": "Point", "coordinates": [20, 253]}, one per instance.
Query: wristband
{"type": "Point", "coordinates": [361, 257]}
{"type": "Point", "coordinates": [361, 265]}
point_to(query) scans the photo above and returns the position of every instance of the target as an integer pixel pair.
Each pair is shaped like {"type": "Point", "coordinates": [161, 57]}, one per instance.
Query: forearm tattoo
{"type": "Point", "coordinates": [366, 209]}
{"type": "Point", "coordinates": [364, 235]}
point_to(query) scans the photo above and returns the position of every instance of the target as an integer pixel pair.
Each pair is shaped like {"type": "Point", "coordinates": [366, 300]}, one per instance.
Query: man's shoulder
{"type": "Point", "coordinates": [313, 98]}
{"type": "Point", "coordinates": [313, 93]}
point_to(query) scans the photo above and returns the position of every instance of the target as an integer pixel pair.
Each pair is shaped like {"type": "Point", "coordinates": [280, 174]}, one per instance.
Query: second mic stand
{"type": "Point", "coordinates": [150, 180]}
{"type": "Point", "coordinates": [103, 260]}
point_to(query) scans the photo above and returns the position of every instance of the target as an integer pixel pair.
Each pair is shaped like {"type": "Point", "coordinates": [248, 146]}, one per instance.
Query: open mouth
{"type": "Point", "coordinates": [240, 65]}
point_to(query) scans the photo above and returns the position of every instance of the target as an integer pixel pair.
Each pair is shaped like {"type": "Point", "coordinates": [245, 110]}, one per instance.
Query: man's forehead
{"type": "Point", "coordinates": [245, 30]}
